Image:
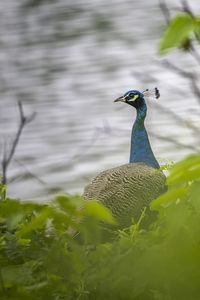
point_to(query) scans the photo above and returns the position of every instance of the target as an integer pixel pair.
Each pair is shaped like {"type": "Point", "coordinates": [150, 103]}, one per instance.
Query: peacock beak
{"type": "Point", "coordinates": [120, 99]}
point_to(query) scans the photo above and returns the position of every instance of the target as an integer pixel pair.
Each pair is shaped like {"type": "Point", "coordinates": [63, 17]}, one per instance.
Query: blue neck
{"type": "Point", "coordinates": [140, 147]}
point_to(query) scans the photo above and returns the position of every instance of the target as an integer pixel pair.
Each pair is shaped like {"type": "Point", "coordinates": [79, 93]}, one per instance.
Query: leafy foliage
{"type": "Point", "coordinates": [178, 31]}
{"type": "Point", "coordinates": [59, 251]}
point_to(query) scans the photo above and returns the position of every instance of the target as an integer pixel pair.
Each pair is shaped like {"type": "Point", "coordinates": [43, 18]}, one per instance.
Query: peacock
{"type": "Point", "coordinates": [125, 190]}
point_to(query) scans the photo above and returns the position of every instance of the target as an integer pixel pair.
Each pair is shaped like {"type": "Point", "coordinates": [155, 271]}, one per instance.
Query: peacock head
{"type": "Point", "coordinates": [136, 98]}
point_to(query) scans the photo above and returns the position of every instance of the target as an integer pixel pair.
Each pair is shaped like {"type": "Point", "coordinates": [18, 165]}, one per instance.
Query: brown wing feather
{"type": "Point", "coordinates": [126, 189]}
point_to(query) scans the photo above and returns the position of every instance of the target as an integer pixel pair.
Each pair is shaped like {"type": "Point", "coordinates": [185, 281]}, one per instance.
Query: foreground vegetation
{"type": "Point", "coordinates": [59, 251]}
{"type": "Point", "coordinates": [56, 250]}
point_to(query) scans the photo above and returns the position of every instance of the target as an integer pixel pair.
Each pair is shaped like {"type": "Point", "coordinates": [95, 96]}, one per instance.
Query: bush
{"type": "Point", "coordinates": [58, 250]}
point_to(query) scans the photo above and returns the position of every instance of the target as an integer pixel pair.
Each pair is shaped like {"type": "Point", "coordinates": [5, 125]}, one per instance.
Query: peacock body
{"type": "Point", "coordinates": [127, 189]}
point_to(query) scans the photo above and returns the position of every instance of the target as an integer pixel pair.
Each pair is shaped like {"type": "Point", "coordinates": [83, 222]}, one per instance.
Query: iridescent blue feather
{"type": "Point", "coordinates": [140, 147]}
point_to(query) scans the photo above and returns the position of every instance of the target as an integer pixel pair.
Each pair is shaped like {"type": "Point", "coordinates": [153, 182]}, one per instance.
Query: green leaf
{"type": "Point", "coordinates": [167, 198]}
{"type": "Point", "coordinates": [94, 208]}
{"type": "Point", "coordinates": [17, 274]}
{"type": "Point", "coordinates": [186, 169]}
{"type": "Point", "coordinates": [9, 207]}
{"type": "Point", "coordinates": [14, 220]}
{"type": "Point", "coordinates": [189, 175]}
{"type": "Point", "coordinates": [36, 222]}
{"type": "Point", "coordinates": [177, 32]}
{"type": "Point", "coordinates": [194, 191]}
{"type": "Point", "coordinates": [197, 30]}
{"type": "Point", "coordinates": [65, 203]}
{"type": "Point", "coordinates": [60, 220]}
{"type": "Point", "coordinates": [23, 242]}
{"type": "Point", "coordinates": [2, 190]}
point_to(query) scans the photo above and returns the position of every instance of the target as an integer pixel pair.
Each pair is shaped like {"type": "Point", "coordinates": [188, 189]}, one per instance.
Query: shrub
{"type": "Point", "coordinates": [58, 251]}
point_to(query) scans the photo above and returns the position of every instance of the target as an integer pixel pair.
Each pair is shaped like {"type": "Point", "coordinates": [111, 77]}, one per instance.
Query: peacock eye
{"type": "Point", "coordinates": [131, 95]}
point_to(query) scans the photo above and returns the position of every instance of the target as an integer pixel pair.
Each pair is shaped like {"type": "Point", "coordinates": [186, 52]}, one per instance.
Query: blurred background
{"type": "Point", "coordinates": [67, 61]}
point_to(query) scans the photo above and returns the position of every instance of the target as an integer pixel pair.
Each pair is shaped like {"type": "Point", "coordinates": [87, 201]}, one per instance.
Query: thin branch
{"type": "Point", "coordinates": [174, 142]}
{"type": "Point", "coordinates": [8, 157]}
{"type": "Point", "coordinates": [194, 53]}
{"type": "Point", "coordinates": [178, 118]}
{"type": "Point", "coordinates": [191, 76]}
{"type": "Point", "coordinates": [26, 173]}
{"type": "Point", "coordinates": [178, 70]}
{"type": "Point", "coordinates": [186, 8]}
{"type": "Point", "coordinates": [165, 10]}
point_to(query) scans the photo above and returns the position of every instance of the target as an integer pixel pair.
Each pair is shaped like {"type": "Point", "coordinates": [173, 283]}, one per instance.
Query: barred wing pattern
{"type": "Point", "coordinates": [126, 189]}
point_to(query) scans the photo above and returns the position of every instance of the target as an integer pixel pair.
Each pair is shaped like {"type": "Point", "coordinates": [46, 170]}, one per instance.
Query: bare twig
{"type": "Point", "coordinates": [175, 142]}
{"type": "Point", "coordinates": [192, 49]}
{"type": "Point", "coordinates": [26, 173]}
{"type": "Point", "coordinates": [194, 53]}
{"type": "Point", "coordinates": [191, 76]}
{"type": "Point", "coordinates": [165, 10]}
{"type": "Point", "coordinates": [186, 8]}
{"type": "Point", "coordinates": [178, 118]}
{"type": "Point", "coordinates": [8, 157]}
{"type": "Point", "coordinates": [178, 70]}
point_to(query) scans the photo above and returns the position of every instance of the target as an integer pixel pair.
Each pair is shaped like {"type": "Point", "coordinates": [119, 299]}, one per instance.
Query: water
{"type": "Point", "coordinates": [67, 61]}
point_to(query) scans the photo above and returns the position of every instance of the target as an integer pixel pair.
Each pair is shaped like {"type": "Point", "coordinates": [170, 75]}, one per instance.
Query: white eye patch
{"type": "Point", "coordinates": [134, 98]}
